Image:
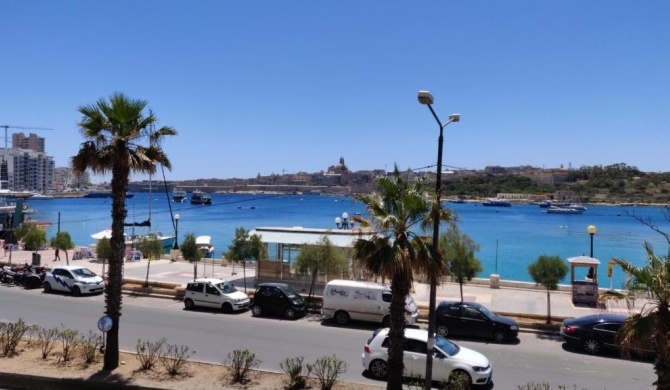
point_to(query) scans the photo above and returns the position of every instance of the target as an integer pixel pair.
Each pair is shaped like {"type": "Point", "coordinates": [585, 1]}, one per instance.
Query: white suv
{"type": "Point", "coordinates": [74, 279]}
{"type": "Point", "coordinates": [450, 361]}
{"type": "Point", "coordinates": [216, 293]}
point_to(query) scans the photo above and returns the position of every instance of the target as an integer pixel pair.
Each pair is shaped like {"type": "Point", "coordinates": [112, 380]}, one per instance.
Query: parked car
{"type": "Point", "coordinates": [595, 333]}
{"type": "Point", "coordinates": [73, 279]}
{"type": "Point", "coordinates": [473, 319]}
{"type": "Point", "coordinates": [346, 300]}
{"type": "Point", "coordinates": [277, 299]}
{"type": "Point", "coordinates": [216, 293]}
{"type": "Point", "coordinates": [451, 361]}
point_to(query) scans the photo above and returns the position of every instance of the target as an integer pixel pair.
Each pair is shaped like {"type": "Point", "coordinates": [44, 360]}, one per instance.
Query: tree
{"type": "Point", "coordinates": [548, 271]}
{"type": "Point", "coordinates": [34, 239]}
{"type": "Point", "coordinates": [396, 252]}
{"type": "Point", "coordinates": [323, 256]}
{"type": "Point", "coordinates": [116, 132]}
{"type": "Point", "coordinates": [458, 250]}
{"type": "Point", "coordinates": [189, 251]}
{"type": "Point", "coordinates": [649, 329]}
{"type": "Point", "coordinates": [63, 242]}
{"type": "Point", "coordinates": [246, 247]}
{"type": "Point", "coordinates": [152, 248]}
{"type": "Point", "coordinates": [103, 251]}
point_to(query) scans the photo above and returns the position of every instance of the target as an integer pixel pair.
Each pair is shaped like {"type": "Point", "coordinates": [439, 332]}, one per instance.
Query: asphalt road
{"type": "Point", "coordinates": [534, 358]}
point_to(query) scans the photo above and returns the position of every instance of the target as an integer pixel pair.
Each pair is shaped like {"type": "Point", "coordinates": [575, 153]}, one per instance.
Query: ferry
{"type": "Point", "coordinates": [496, 203]}
{"type": "Point", "coordinates": [199, 197]}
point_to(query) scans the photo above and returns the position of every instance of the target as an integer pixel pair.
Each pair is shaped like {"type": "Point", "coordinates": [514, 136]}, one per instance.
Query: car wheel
{"type": "Point", "coordinates": [459, 379]}
{"type": "Point", "coordinates": [188, 304]}
{"type": "Point", "coordinates": [342, 317]}
{"type": "Point", "coordinates": [591, 346]}
{"type": "Point", "coordinates": [47, 287]}
{"type": "Point", "coordinates": [76, 291]}
{"type": "Point", "coordinates": [499, 336]}
{"type": "Point", "coordinates": [289, 314]}
{"type": "Point", "coordinates": [386, 321]}
{"type": "Point", "coordinates": [256, 311]}
{"type": "Point", "coordinates": [227, 307]}
{"type": "Point", "coordinates": [442, 330]}
{"type": "Point", "coordinates": [379, 369]}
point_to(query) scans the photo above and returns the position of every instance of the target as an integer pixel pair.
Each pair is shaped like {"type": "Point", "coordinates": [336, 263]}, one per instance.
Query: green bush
{"type": "Point", "coordinates": [46, 340]}
{"type": "Point", "coordinates": [148, 352]}
{"type": "Point", "coordinates": [174, 357]}
{"type": "Point", "coordinates": [327, 369]}
{"type": "Point", "coordinates": [11, 334]}
{"type": "Point", "coordinates": [89, 346]}
{"type": "Point", "coordinates": [297, 373]}
{"type": "Point", "coordinates": [239, 362]}
{"type": "Point", "coordinates": [70, 340]}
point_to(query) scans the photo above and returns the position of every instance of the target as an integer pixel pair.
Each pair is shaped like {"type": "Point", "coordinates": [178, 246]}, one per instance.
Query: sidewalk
{"type": "Point", "coordinates": [522, 301]}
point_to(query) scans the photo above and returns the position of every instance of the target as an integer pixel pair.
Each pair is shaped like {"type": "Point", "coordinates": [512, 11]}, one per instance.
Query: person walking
{"type": "Point", "coordinates": [57, 256]}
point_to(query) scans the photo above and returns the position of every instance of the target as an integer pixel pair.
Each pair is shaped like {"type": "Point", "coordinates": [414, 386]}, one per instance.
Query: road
{"type": "Point", "coordinates": [534, 358]}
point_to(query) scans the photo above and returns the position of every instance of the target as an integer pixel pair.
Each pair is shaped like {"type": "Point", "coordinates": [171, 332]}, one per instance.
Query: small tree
{"type": "Point", "coordinates": [63, 242]}
{"type": "Point", "coordinates": [246, 247]}
{"type": "Point", "coordinates": [548, 271]}
{"type": "Point", "coordinates": [323, 256]}
{"type": "Point", "coordinates": [458, 250]}
{"type": "Point", "coordinates": [103, 250]}
{"type": "Point", "coordinates": [34, 239]}
{"type": "Point", "coordinates": [190, 252]}
{"type": "Point", "coordinates": [152, 248]}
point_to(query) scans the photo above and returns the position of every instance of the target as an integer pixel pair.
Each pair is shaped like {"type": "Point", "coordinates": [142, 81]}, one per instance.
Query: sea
{"type": "Point", "coordinates": [510, 238]}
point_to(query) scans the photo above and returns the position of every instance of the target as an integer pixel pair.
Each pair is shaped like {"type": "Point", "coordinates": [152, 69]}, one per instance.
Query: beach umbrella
{"type": "Point", "coordinates": [107, 233]}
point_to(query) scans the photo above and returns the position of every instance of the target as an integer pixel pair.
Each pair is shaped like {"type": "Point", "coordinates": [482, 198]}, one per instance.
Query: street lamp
{"type": "Point", "coordinates": [176, 232]}
{"type": "Point", "coordinates": [426, 98]}
{"type": "Point", "coordinates": [344, 222]}
{"type": "Point", "coordinates": [592, 231]}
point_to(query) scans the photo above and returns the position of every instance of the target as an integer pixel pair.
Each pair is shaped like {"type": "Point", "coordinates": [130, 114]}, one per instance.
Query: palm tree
{"type": "Point", "coordinates": [396, 252]}
{"type": "Point", "coordinates": [113, 131]}
{"type": "Point", "coordinates": [649, 329]}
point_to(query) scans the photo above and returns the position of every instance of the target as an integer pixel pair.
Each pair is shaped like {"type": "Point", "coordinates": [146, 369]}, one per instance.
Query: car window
{"type": "Point", "coordinates": [226, 287]}
{"type": "Point", "coordinates": [83, 272]}
{"type": "Point", "coordinates": [209, 289]}
{"type": "Point", "coordinates": [416, 346]}
{"type": "Point", "coordinates": [469, 312]}
{"type": "Point", "coordinates": [452, 311]}
{"type": "Point", "coordinates": [386, 296]}
{"type": "Point", "coordinates": [288, 291]}
{"type": "Point", "coordinates": [488, 313]}
{"type": "Point", "coordinates": [196, 287]}
{"type": "Point", "coordinates": [271, 292]}
{"type": "Point", "coordinates": [64, 273]}
{"type": "Point", "coordinates": [446, 346]}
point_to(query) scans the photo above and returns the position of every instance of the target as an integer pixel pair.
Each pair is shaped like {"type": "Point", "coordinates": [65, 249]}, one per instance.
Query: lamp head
{"type": "Point", "coordinates": [176, 216]}
{"type": "Point", "coordinates": [454, 117]}
{"type": "Point", "coordinates": [591, 229]}
{"type": "Point", "coordinates": [425, 97]}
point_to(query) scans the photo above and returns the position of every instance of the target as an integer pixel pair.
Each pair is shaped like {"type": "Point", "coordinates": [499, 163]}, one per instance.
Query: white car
{"type": "Point", "coordinates": [450, 361]}
{"type": "Point", "coordinates": [215, 293]}
{"type": "Point", "coordinates": [74, 279]}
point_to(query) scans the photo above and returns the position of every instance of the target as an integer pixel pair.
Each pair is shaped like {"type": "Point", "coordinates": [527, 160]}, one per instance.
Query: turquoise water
{"type": "Point", "coordinates": [510, 237]}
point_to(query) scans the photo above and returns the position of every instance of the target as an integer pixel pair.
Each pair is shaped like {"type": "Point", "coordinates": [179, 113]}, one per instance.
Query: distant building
{"type": "Point", "coordinates": [31, 142]}
{"type": "Point", "coordinates": [27, 170]}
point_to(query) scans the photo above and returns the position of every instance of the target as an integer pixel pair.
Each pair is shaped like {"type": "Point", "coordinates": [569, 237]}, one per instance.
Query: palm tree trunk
{"type": "Point", "coordinates": [400, 289]}
{"type": "Point", "coordinates": [663, 374]}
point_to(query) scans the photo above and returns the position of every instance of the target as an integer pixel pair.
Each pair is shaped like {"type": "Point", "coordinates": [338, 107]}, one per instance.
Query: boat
{"type": "Point", "coordinates": [204, 245]}
{"type": "Point", "coordinates": [103, 194]}
{"type": "Point", "coordinates": [548, 203]}
{"type": "Point", "coordinates": [199, 197]}
{"type": "Point", "coordinates": [565, 210]}
{"type": "Point", "coordinates": [41, 197]}
{"type": "Point", "coordinates": [178, 196]}
{"type": "Point", "coordinates": [496, 203]}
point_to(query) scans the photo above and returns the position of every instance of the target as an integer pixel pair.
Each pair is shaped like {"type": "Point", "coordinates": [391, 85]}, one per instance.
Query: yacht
{"type": "Point", "coordinates": [178, 196]}
{"type": "Point", "coordinates": [199, 197]}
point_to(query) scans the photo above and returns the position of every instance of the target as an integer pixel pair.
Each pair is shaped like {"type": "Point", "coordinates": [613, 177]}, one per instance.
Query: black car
{"type": "Point", "coordinates": [277, 299]}
{"type": "Point", "coordinates": [593, 333]}
{"type": "Point", "coordinates": [473, 319]}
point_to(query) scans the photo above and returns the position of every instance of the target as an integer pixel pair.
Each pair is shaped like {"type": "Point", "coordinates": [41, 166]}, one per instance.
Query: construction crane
{"type": "Point", "coordinates": [20, 127]}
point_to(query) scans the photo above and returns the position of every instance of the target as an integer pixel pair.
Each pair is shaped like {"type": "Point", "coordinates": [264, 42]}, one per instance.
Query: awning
{"type": "Point", "coordinates": [300, 235]}
{"type": "Point", "coordinates": [107, 233]}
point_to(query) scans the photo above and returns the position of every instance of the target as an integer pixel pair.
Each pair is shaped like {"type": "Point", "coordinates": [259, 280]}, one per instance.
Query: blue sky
{"type": "Point", "coordinates": [270, 87]}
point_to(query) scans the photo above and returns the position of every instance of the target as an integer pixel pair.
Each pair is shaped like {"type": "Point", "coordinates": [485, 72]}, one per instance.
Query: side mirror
{"type": "Point", "coordinates": [438, 354]}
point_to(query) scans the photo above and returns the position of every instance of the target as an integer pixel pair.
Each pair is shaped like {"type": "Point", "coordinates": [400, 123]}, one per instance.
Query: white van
{"type": "Point", "coordinates": [346, 300]}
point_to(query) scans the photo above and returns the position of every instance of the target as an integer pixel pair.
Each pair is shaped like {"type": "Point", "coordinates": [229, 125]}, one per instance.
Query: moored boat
{"type": "Point", "coordinates": [104, 194]}
{"type": "Point", "coordinates": [496, 203]}
{"type": "Point", "coordinates": [204, 245]}
{"type": "Point", "coordinates": [199, 197]}
{"type": "Point", "coordinates": [565, 210]}
{"type": "Point", "coordinates": [178, 196]}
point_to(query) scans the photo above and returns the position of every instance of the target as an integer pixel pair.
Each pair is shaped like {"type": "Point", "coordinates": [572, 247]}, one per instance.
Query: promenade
{"type": "Point", "coordinates": [508, 300]}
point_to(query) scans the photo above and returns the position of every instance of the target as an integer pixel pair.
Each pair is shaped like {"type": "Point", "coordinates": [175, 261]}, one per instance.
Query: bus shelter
{"type": "Point", "coordinates": [584, 279]}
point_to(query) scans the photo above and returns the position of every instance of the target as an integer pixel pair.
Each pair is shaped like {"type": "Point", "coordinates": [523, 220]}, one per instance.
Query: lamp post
{"type": "Point", "coordinates": [426, 98]}
{"type": "Point", "coordinates": [176, 232]}
{"type": "Point", "coordinates": [592, 231]}
{"type": "Point", "coordinates": [344, 222]}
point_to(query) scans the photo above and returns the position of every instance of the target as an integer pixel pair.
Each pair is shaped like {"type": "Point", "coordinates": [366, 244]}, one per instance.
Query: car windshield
{"type": "Point", "coordinates": [83, 273]}
{"type": "Point", "coordinates": [289, 292]}
{"type": "Point", "coordinates": [226, 287]}
{"type": "Point", "coordinates": [487, 312]}
{"type": "Point", "coordinates": [446, 346]}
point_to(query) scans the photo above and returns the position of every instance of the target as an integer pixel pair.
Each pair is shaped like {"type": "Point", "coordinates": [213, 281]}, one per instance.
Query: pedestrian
{"type": "Point", "coordinates": [6, 248]}
{"type": "Point", "coordinates": [57, 257]}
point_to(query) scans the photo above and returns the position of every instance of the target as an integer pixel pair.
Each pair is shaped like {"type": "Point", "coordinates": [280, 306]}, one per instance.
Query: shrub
{"type": "Point", "coordinates": [11, 334]}
{"type": "Point", "coordinates": [297, 374]}
{"type": "Point", "coordinates": [70, 340]}
{"type": "Point", "coordinates": [327, 369]}
{"type": "Point", "coordinates": [46, 340]}
{"type": "Point", "coordinates": [174, 358]}
{"type": "Point", "coordinates": [239, 362]}
{"type": "Point", "coordinates": [89, 345]}
{"type": "Point", "coordinates": [148, 352]}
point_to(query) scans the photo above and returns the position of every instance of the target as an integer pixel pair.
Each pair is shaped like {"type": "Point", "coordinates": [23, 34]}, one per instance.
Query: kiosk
{"type": "Point", "coordinates": [585, 284]}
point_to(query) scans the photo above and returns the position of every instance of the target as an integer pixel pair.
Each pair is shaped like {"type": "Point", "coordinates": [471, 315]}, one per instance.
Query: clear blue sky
{"type": "Point", "coordinates": [287, 86]}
